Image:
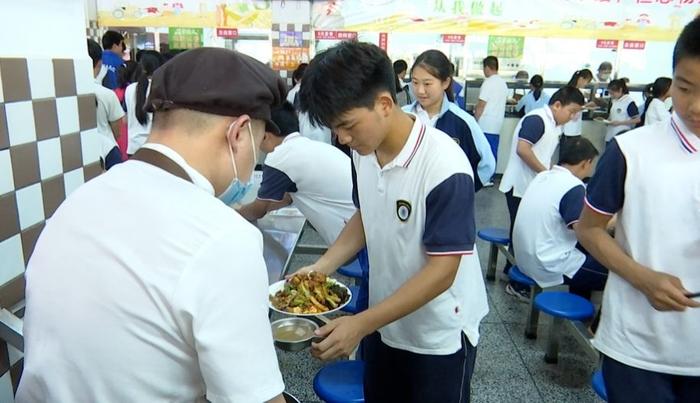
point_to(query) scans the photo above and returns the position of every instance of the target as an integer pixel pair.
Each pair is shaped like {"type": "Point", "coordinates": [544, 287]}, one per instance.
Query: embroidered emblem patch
{"type": "Point", "coordinates": [403, 210]}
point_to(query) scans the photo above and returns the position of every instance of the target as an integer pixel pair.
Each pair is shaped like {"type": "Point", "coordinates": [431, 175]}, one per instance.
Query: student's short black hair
{"type": "Point", "coordinates": [299, 72]}
{"type": "Point", "coordinates": [285, 117]}
{"type": "Point", "coordinates": [347, 76]}
{"type": "Point", "coordinates": [111, 38]}
{"type": "Point", "coordinates": [400, 66]}
{"type": "Point", "coordinates": [491, 62]}
{"type": "Point", "coordinates": [567, 95]}
{"type": "Point", "coordinates": [688, 43]}
{"type": "Point", "coordinates": [577, 150]}
{"type": "Point", "coordinates": [95, 51]}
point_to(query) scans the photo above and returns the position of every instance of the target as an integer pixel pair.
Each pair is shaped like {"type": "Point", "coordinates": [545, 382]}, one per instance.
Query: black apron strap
{"type": "Point", "coordinates": [161, 161]}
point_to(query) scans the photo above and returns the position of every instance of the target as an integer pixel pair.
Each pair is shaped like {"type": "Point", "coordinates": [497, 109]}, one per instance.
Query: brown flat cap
{"type": "Point", "coordinates": [217, 81]}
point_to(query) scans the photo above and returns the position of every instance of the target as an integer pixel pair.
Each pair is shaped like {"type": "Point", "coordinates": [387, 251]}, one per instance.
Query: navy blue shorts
{"type": "Point", "coordinates": [400, 376]}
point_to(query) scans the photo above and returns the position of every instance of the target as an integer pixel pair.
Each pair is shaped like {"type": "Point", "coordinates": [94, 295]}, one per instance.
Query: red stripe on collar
{"type": "Point", "coordinates": [415, 148]}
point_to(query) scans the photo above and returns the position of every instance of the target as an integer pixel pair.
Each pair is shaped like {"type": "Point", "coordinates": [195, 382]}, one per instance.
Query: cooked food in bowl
{"type": "Point", "coordinates": [309, 293]}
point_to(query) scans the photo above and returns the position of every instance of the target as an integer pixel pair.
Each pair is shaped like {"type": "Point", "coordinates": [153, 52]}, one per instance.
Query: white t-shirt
{"type": "Point", "coordinates": [543, 237]}
{"type": "Point", "coordinates": [108, 110]}
{"type": "Point", "coordinates": [648, 176]}
{"type": "Point", "coordinates": [138, 133]}
{"type": "Point", "coordinates": [622, 109]}
{"type": "Point", "coordinates": [163, 299]}
{"type": "Point", "coordinates": [324, 196]}
{"type": "Point", "coordinates": [292, 93]}
{"type": "Point", "coordinates": [309, 130]}
{"type": "Point", "coordinates": [656, 112]}
{"type": "Point", "coordinates": [418, 205]}
{"type": "Point", "coordinates": [494, 91]}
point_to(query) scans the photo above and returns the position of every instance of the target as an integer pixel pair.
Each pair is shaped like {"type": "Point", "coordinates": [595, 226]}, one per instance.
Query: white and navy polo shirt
{"type": "Point", "coordinates": [622, 109]}
{"type": "Point", "coordinates": [323, 195]}
{"type": "Point", "coordinates": [649, 177]}
{"type": "Point", "coordinates": [539, 129]}
{"type": "Point", "coordinates": [422, 204]}
{"type": "Point", "coordinates": [543, 236]}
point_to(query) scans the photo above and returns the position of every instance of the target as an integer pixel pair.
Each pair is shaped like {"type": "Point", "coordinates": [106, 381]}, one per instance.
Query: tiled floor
{"type": "Point", "coordinates": [509, 367]}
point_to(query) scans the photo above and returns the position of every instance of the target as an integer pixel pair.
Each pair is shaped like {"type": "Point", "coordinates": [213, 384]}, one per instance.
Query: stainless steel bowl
{"type": "Point", "coordinates": [293, 334]}
{"type": "Point", "coordinates": [289, 398]}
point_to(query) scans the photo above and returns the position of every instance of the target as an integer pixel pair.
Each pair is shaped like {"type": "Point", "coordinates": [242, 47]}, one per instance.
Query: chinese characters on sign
{"type": "Point", "coordinates": [288, 58]}
{"type": "Point", "coordinates": [184, 38]}
{"type": "Point", "coordinates": [228, 33]}
{"type": "Point", "coordinates": [607, 43]}
{"type": "Point", "coordinates": [636, 45]}
{"type": "Point", "coordinates": [383, 40]}
{"type": "Point", "coordinates": [335, 35]}
{"type": "Point", "coordinates": [453, 38]}
{"type": "Point", "coordinates": [507, 47]}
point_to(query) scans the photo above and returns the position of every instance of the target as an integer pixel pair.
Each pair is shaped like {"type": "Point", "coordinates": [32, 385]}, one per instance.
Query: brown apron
{"type": "Point", "coordinates": [161, 161]}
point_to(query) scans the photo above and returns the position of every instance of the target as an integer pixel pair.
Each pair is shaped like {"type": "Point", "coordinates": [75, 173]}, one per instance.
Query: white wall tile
{"type": "Point", "coordinates": [73, 180]}
{"type": "Point", "coordinates": [41, 78]}
{"type": "Point", "coordinates": [84, 76]}
{"type": "Point", "coordinates": [7, 181]}
{"type": "Point", "coordinates": [12, 259]}
{"type": "Point", "coordinates": [30, 206]}
{"type": "Point", "coordinates": [67, 109]}
{"type": "Point", "coordinates": [50, 162]}
{"type": "Point", "coordinates": [20, 122]}
{"type": "Point", "coordinates": [91, 144]}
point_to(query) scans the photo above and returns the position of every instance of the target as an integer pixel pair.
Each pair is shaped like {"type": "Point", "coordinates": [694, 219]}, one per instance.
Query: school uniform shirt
{"type": "Point", "coordinates": [418, 205]}
{"type": "Point", "coordinates": [649, 178]}
{"type": "Point", "coordinates": [112, 62]}
{"type": "Point", "coordinates": [494, 91]}
{"type": "Point", "coordinates": [530, 103]}
{"type": "Point", "coordinates": [323, 195]}
{"type": "Point", "coordinates": [656, 112]}
{"type": "Point", "coordinates": [539, 129]}
{"type": "Point", "coordinates": [165, 302]}
{"type": "Point", "coordinates": [309, 130]}
{"type": "Point", "coordinates": [622, 109]}
{"type": "Point", "coordinates": [138, 133]}
{"type": "Point", "coordinates": [291, 95]}
{"type": "Point", "coordinates": [543, 236]}
{"type": "Point", "coordinates": [465, 131]}
{"type": "Point", "coordinates": [108, 110]}
{"type": "Point", "coordinates": [574, 127]}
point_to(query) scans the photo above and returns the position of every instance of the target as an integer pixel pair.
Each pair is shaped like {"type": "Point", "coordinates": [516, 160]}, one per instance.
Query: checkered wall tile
{"type": "Point", "coordinates": [49, 146]}
{"type": "Point", "coordinates": [94, 31]}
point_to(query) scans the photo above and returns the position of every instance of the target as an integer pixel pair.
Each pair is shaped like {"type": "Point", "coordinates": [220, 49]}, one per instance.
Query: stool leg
{"type": "Point", "coordinates": [552, 355]}
{"type": "Point", "coordinates": [534, 316]}
{"type": "Point", "coordinates": [493, 259]}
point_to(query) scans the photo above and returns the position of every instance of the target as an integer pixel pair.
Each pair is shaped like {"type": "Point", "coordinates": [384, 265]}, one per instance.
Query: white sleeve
{"type": "Point", "coordinates": [486, 90]}
{"type": "Point", "coordinates": [222, 302]}
{"type": "Point", "coordinates": [114, 108]}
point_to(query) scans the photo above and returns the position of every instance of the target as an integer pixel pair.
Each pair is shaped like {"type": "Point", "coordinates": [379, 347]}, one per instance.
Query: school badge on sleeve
{"type": "Point", "coordinates": [403, 210]}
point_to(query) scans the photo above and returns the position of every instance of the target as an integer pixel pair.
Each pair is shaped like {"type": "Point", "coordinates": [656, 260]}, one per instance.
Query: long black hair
{"type": "Point", "coordinates": [583, 73]}
{"type": "Point", "coordinates": [660, 88]}
{"type": "Point", "coordinates": [537, 82]}
{"type": "Point", "coordinates": [438, 65]}
{"type": "Point", "coordinates": [149, 63]}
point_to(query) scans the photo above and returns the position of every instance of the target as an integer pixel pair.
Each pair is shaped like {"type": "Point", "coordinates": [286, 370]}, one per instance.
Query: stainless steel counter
{"type": "Point", "coordinates": [281, 230]}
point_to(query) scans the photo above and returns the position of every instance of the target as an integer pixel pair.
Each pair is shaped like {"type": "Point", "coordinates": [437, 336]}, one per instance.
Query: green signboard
{"type": "Point", "coordinates": [185, 38]}
{"type": "Point", "coordinates": [506, 47]}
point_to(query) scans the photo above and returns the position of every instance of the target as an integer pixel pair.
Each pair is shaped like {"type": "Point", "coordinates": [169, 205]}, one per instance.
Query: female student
{"type": "Point", "coordinates": [654, 108]}
{"type": "Point", "coordinates": [431, 77]}
{"type": "Point", "coordinates": [580, 79]}
{"type": "Point", "coordinates": [535, 98]}
{"type": "Point", "coordinates": [624, 114]}
{"type": "Point", "coordinates": [135, 96]}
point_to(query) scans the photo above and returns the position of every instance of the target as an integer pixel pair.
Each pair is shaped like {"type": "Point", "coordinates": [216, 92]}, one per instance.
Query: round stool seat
{"type": "Point", "coordinates": [341, 382]}
{"type": "Point", "coordinates": [352, 269]}
{"type": "Point", "coordinates": [599, 385]}
{"type": "Point", "coordinates": [564, 305]}
{"type": "Point", "coordinates": [519, 277]}
{"type": "Point", "coordinates": [495, 235]}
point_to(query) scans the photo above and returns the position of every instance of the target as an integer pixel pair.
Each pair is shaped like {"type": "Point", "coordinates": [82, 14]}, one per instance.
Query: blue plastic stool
{"type": "Point", "coordinates": [533, 316]}
{"type": "Point", "coordinates": [561, 305]}
{"type": "Point", "coordinates": [352, 269]}
{"type": "Point", "coordinates": [599, 385]}
{"type": "Point", "coordinates": [496, 236]}
{"type": "Point", "coordinates": [341, 382]}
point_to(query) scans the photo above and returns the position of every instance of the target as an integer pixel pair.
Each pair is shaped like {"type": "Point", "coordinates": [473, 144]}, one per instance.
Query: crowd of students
{"type": "Point", "coordinates": [175, 285]}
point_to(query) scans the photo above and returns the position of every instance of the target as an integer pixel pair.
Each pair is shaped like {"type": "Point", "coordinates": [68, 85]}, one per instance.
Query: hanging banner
{"type": "Point", "coordinates": [635, 45]}
{"type": "Point", "coordinates": [383, 40]}
{"type": "Point", "coordinates": [607, 43]}
{"type": "Point", "coordinates": [185, 38]}
{"type": "Point", "coordinates": [228, 33]}
{"type": "Point", "coordinates": [335, 35]}
{"type": "Point", "coordinates": [453, 38]}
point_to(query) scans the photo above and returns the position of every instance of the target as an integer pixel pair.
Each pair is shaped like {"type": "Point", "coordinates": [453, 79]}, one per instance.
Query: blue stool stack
{"type": "Point", "coordinates": [533, 316]}
{"type": "Point", "coordinates": [599, 385]}
{"type": "Point", "coordinates": [496, 236]}
{"type": "Point", "coordinates": [341, 382]}
{"type": "Point", "coordinates": [561, 305]}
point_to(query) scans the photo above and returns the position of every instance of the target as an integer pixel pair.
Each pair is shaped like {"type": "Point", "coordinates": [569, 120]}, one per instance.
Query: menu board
{"type": "Point", "coordinates": [185, 38]}
{"type": "Point", "coordinates": [507, 47]}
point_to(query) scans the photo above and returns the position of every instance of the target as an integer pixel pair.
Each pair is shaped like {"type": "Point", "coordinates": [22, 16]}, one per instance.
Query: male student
{"type": "Point", "coordinates": [649, 327]}
{"type": "Point", "coordinates": [490, 110]}
{"type": "Point", "coordinates": [414, 189]}
{"type": "Point", "coordinates": [534, 141]}
{"type": "Point", "coordinates": [114, 48]}
{"type": "Point", "coordinates": [544, 239]}
{"type": "Point", "coordinates": [315, 176]}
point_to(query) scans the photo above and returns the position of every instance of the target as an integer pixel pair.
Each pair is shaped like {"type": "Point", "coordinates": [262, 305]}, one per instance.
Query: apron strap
{"type": "Point", "coordinates": [161, 161]}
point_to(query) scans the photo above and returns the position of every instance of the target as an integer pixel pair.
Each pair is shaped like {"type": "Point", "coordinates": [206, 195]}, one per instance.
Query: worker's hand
{"type": "Point", "coordinates": [665, 292]}
{"type": "Point", "coordinates": [342, 335]}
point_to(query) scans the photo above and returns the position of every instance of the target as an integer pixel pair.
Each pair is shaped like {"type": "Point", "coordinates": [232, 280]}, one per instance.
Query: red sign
{"type": "Point", "coordinates": [607, 43]}
{"type": "Point", "coordinates": [453, 38]}
{"type": "Point", "coordinates": [383, 40]}
{"type": "Point", "coordinates": [335, 35]}
{"type": "Point", "coordinates": [635, 45]}
{"type": "Point", "coordinates": [229, 33]}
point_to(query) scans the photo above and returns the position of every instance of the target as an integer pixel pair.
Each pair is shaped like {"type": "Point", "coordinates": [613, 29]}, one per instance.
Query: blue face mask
{"type": "Point", "coordinates": [236, 191]}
